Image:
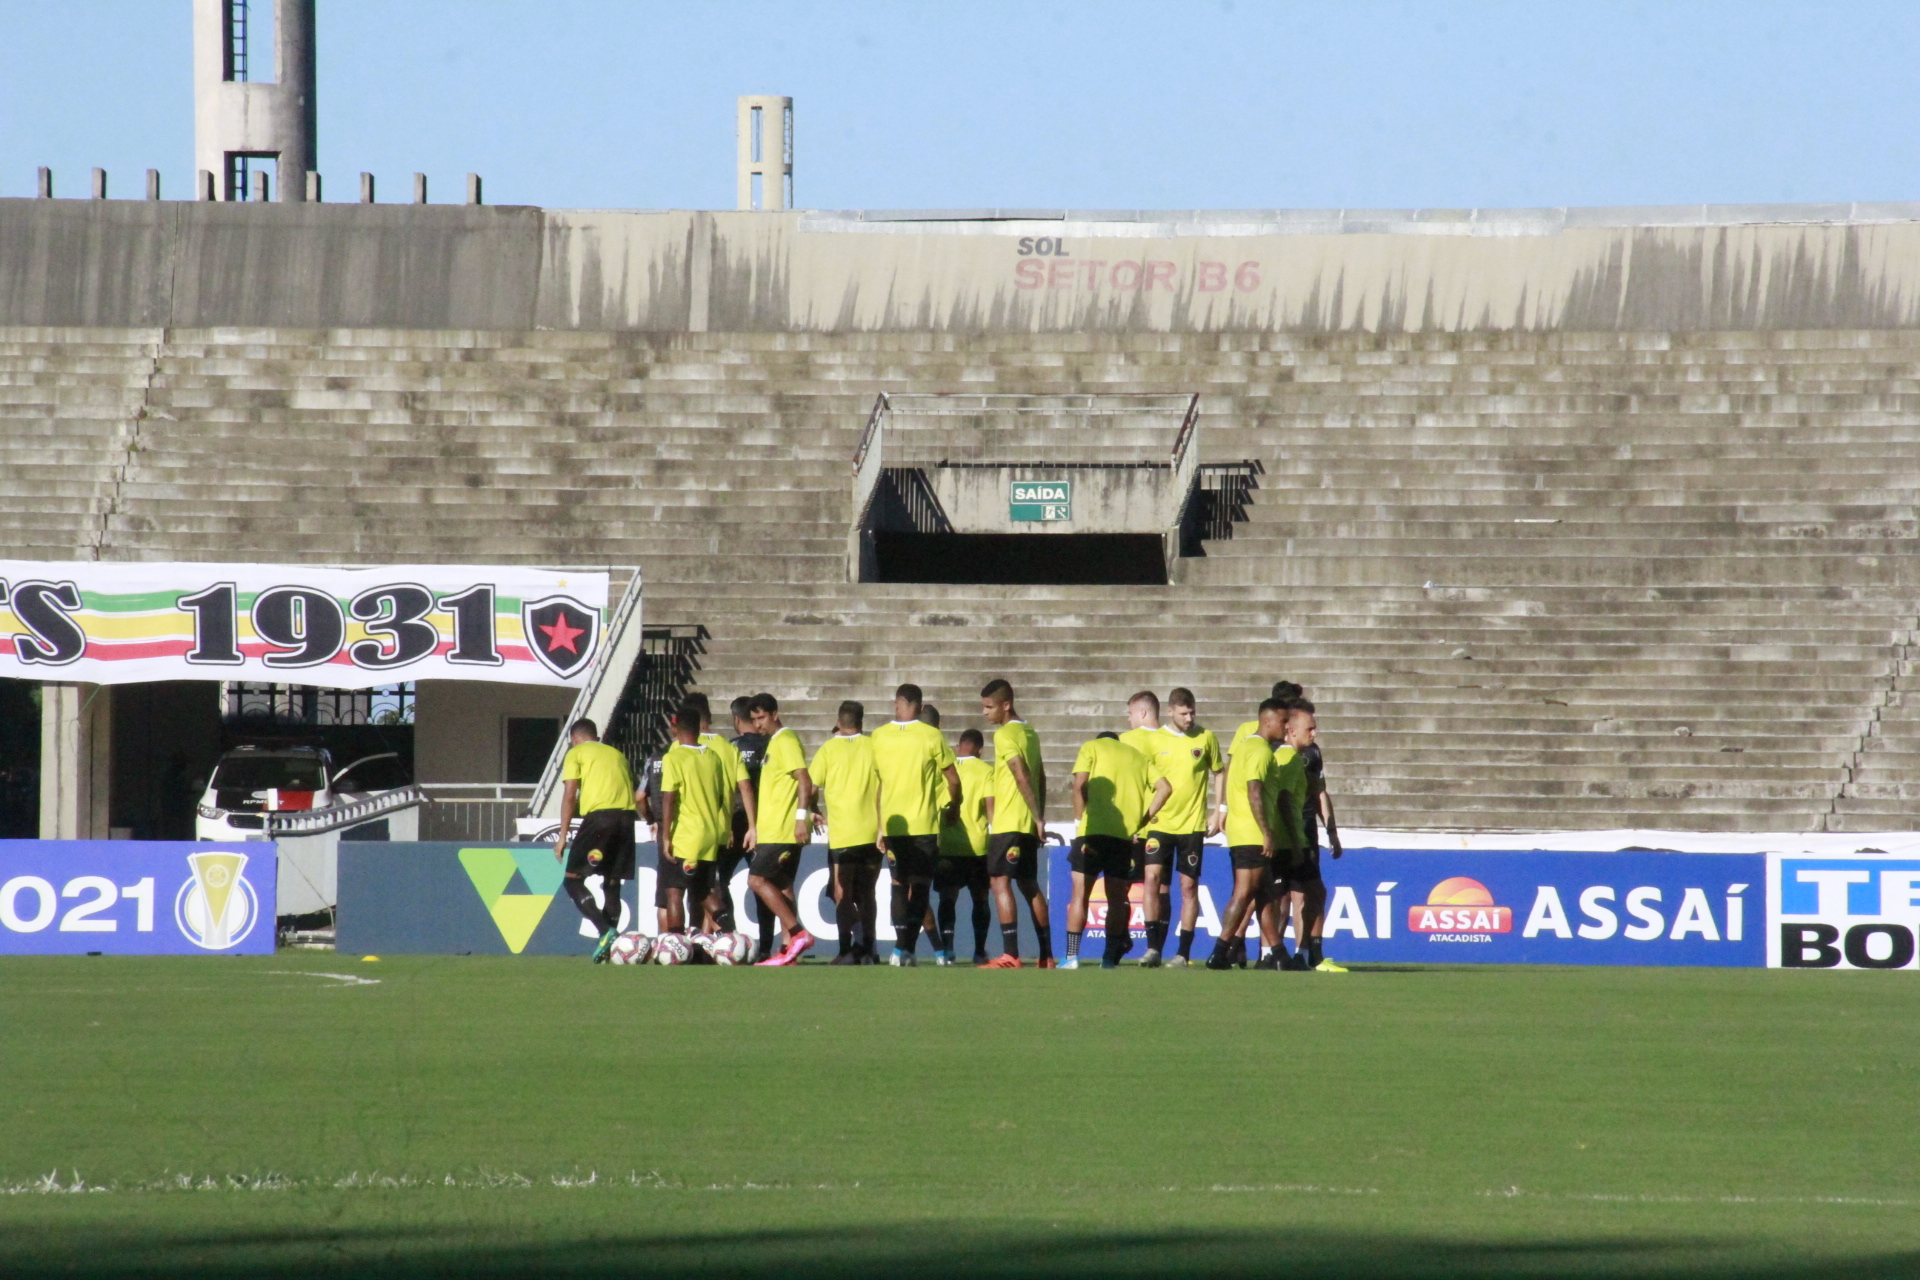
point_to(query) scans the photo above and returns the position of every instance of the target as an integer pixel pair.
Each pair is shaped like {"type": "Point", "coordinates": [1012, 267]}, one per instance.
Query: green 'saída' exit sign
{"type": "Point", "coordinates": [1038, 500]}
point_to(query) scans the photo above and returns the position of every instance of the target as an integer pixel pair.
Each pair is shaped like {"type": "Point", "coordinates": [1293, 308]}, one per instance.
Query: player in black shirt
{"type": "Point", "coordinates": [753, 753]}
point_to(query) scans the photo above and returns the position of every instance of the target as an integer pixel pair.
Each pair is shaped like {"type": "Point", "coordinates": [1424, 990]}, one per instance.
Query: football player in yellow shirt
{"type": "Point", "coordinates": [919, 788]}
{"type": "Point", "coordinates": [1019, 824]}
{"type": "Point", "coordinates": [1188, 768]}
{"type": "Point", "coordinates": [847, 809]}
{"type": "Point", "coordinates": [1255, 832]}
{"type": "Point", "coordinates": [1143, 725]}
{"type": "Point", "coordinates": [695, 821]}
{"type": "Point", "coordinates": [1110, 802]}
{"type": "Point", "coordinates": [741, 807]}
{"type": "Point", "coordinates": [963, 849]}
{"type": "Point", "coordinates": [598, 786]}
{"type": "Point", "coordinates": [785, 811]}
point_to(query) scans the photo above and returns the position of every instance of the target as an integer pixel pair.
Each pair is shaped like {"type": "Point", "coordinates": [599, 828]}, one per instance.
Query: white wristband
{"type": "Point", "coordinates": [801, 815]}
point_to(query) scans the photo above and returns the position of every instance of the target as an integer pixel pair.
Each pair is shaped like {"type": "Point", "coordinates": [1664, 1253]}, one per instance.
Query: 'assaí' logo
{"type": "Point", "coordinates": [1460, 905]}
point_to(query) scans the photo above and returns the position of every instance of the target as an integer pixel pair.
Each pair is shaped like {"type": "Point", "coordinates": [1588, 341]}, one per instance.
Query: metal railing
{"type": "Point", "coordinates": [1189, 432]}
{"type": "Point", "coordinates": [315, 822]}
{"type": "Point", "coordinates": [872, 434]}
{"type": "Point", "coordinates": [473, 810]}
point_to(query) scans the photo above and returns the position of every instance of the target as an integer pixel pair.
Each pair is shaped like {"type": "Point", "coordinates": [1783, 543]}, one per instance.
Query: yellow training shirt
{"type": "Point", "coordinates": [967, 838]}
{"type": "Point", "coordinates": [1252, 762]}
{"type": "Point", "coordinates": [1010, 813]}
{"type": "Point", "coordinates": [1188, 762]}
{"type": "Point", "coordinates": [733, 766]}
{"type": "Point", "coordinates": [849, 784]}
{"type": "Point", "coordinates": [1116, 788]}
{"type": "Point", "coordinates": [605, 780]}
{"type": "Point", "coordinates": [778, 799]}
{"type": "Point", "coordinates": [1290, 791]}
{"type": "Point", "coordinates": [911, 758]}
{"type": "Point", "coordinates": [702, 814]}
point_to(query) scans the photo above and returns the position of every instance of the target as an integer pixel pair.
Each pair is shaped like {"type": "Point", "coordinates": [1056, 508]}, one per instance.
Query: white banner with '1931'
{"type": "Point", "coordinates": [343, 628]}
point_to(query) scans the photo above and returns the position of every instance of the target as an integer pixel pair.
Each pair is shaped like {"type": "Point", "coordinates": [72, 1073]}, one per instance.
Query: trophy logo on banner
{"type": "Point", "coordinates": [216, 909]}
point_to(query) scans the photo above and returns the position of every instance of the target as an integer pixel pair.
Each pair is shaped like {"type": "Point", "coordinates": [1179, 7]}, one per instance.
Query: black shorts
{"type": "Point", "coordinates": [726, 863]}
{"type": "Point", "coordinates": [1246, 857]}
{"type": "Point", "coordinates": [671, 873]}
{"type": "Point", "coordinates": [1110, 856]}
{"type": "Point", "coordinates": [913, 857]}
{"type": "Point", "coordinates": [1298, 875]}
{"type": "Point", "coordinates": [607, 833]}
{"type": "Point", "coordinates": [776, 863]}
{"type": "Point", "coordinates": [1182, 852]}
{"type": "Point", "coordinates": [1015, 854]}
{"type": "Point", "coordinates": [857, 857]}
{"type": "Point", "coordinates": [962, 871]}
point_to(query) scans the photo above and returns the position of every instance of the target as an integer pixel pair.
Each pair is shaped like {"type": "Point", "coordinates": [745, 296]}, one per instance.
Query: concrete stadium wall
{"type": "Point", "coordinates": [136, 263]}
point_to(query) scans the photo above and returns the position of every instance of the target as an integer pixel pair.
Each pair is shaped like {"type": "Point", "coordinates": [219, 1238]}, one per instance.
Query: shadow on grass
{"type": "Point", "coordinates": [913, 1251]}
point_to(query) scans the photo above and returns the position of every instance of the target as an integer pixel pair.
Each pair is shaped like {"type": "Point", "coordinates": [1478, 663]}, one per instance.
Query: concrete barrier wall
{"type": "Point", "coordinates": [129, 264]}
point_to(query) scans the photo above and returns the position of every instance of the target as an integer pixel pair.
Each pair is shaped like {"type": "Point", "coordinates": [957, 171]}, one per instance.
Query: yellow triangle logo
{"type": "Point", "coordinates": [518, 915]}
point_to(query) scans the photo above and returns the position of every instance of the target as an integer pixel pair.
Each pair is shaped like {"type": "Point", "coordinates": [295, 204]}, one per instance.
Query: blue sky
{"type": "Point", "coordinates": [1212, 104]}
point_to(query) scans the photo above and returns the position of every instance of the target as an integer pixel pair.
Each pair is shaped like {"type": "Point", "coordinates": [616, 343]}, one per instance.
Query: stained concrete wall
{"type": "Point", "coordinates": [127, 264]}
{"type": "Point", "coordinates": [460, 726]}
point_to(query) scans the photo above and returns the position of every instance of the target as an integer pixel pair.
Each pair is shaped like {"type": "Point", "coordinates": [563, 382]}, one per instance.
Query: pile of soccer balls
{"type": "Point", "coordinates": [677, 948]}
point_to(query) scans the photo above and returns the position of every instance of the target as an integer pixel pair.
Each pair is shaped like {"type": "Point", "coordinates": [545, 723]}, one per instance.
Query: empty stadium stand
{"type": "Point", "coordinates": [1554, 579]}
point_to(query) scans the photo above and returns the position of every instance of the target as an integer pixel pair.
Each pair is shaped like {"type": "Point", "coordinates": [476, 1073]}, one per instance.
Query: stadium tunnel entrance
{"type": "Point", "coordinates": [1014, 559]}
{"type": "Point", "coordinates": [1093, 490]}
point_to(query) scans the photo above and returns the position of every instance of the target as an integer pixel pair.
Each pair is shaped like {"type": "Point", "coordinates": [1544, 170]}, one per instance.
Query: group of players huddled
{"type": "Point", "coordinates": [942, 818]}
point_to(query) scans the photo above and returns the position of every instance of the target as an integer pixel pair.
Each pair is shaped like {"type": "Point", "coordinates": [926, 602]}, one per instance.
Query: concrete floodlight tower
{"type": "Point", "coordinates": [251, 102]}
{"type": "Point", "coordinates": [765, 135]}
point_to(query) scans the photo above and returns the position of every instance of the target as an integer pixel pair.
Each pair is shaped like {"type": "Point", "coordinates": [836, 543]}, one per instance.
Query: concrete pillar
{"type": "Point", "coordinates": [203, 188]}
{"type": "Point", "coordinates": [43, 183]}
{"type": "Point", "coordinates": [764, 132]}
{"type": "Point", "coordinates": [419, 188]}
{"type": "Point", "coordinates": [313, 187]}
{"type": "Point", "coordinates": [237, 112]}
{"type": "Point", "coordinates": [259, 186]}
{"type": "Point", "coordinates": [99, 184]}
{"type": "Point", "coordinates": [76, 761]}
{"type": "Point", "coordinates": [473, 189]}
{"type": "Point", "coordinates": [366, 188]}
{"type": "Point", "coordinates": [153, 184]}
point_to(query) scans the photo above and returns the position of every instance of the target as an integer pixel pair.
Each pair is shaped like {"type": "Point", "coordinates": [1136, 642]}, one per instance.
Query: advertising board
{"type": "Point", "coordinates": [1842, 911]}
{"type": "Point", "coordinates": [448, 898]}
{"type": "Point", "coordinates": [122, 897]}
{"type": "Point", "coordinates": [1503, 907]}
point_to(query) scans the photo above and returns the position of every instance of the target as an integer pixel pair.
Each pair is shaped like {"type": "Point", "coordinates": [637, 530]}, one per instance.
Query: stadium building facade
{"type": "Point", "coordinates": [1567, 518]}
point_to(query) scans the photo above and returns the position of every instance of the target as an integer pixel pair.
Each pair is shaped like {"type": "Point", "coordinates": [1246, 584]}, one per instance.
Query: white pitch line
{"type": "Point", "coordinates": [346, 979]}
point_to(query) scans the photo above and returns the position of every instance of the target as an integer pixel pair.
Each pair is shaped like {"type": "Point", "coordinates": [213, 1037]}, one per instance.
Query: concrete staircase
{"type": "Point", "coordinates": [1555, 580]}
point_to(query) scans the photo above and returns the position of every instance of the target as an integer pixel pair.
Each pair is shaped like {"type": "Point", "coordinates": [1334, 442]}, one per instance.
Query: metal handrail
{"type": "Point", "coordinates": [317, 821]}
{"type": "Point", "coordinates": [873, 430]}
{"type": "Point", "coordinates": [1189, 430]}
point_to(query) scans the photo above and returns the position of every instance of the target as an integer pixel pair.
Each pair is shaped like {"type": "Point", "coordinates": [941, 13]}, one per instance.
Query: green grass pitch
{"type": "Point", "coordinates": [483, 1117]}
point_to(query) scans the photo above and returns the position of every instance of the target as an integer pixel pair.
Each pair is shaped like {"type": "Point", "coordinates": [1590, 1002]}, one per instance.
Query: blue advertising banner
{"type": "Point", "coordinates": [1502, 907]}
{"type": "Point", "coordinates": [125, 897]}
{"type": "Point", "coordinates": [445, 898]}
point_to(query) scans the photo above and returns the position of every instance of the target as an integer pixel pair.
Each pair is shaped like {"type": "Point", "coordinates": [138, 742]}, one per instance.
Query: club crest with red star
{"type": "Point", "coordinates": [562, 633]}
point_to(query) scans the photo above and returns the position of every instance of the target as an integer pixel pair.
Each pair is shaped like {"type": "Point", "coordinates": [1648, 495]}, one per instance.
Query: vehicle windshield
{"type": "Point", "coordinates": [375, 773]}
{"type": "Point", "coordinates": [263, 773]}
